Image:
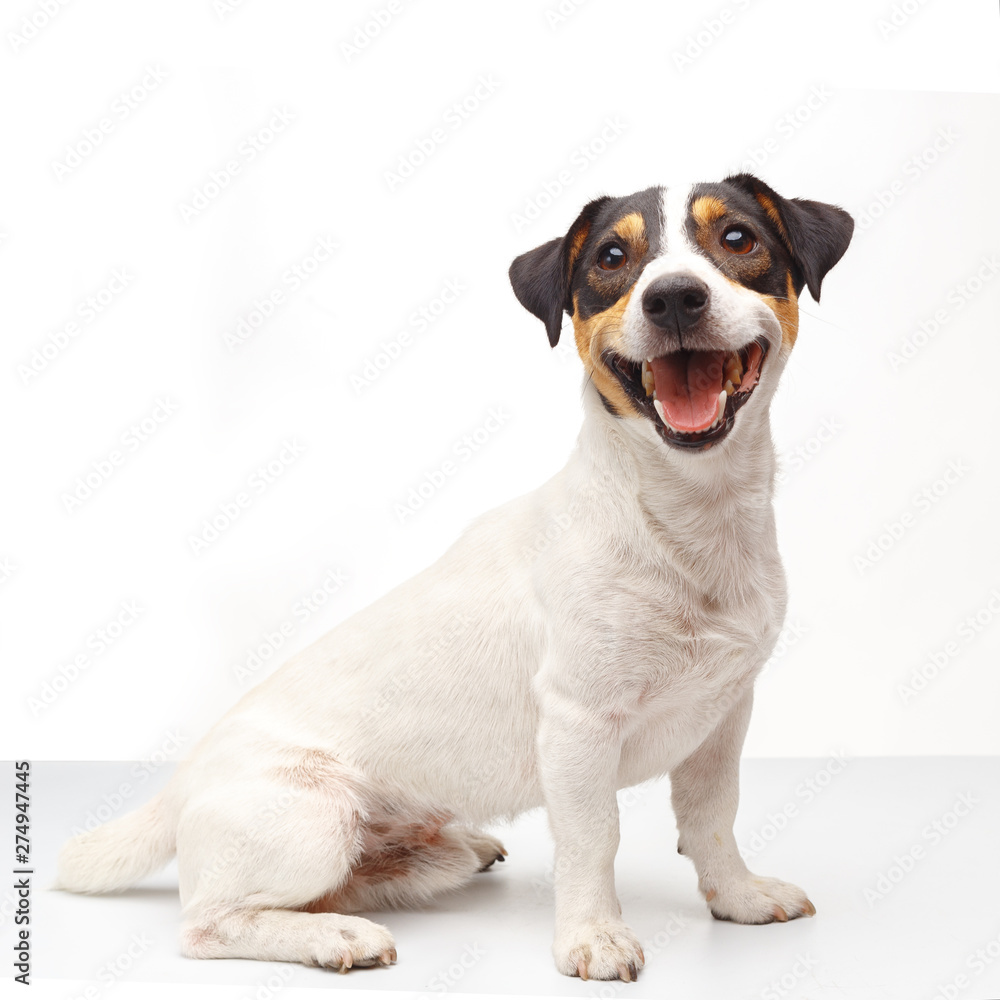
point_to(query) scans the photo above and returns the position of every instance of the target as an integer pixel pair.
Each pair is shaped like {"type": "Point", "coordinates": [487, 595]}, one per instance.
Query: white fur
{"type": "Point", "coordinates": [600, 631]}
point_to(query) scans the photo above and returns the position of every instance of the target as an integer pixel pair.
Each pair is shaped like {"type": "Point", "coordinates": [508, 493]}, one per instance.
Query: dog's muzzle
{"type": "Point", "coordinates": [691, 396]}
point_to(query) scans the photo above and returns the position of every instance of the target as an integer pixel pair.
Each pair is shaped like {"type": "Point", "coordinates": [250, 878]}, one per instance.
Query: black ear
{"type": "Point", "coordinates": [816, 234]}
{"type": "Point", "coordinates": [541, 277]}
{"type": "Point", "coordinates": [537, 280]}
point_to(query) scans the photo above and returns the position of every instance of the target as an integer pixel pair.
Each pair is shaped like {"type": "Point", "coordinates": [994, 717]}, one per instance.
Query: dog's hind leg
{"type": "Point", "coordinates": [254, 854]}
{"type": "Point", "coordinates": [403, 863]}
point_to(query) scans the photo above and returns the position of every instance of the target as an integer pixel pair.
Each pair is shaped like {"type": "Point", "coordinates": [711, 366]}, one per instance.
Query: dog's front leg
{"type": "Point", "coordinates": [579, 755]}
{"type": "Point", "coordinates": [705, 794]}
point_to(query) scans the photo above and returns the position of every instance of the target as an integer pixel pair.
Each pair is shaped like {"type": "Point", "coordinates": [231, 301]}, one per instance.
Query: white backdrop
{"type": "Point", "coordinates": [255, 270]}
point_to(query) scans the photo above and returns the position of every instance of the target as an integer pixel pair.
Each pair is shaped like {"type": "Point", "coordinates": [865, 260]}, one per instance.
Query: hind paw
{"type": "Point", "coordinates": [358, 945]}
{"type": "Point", "coordinates": [486, 848]}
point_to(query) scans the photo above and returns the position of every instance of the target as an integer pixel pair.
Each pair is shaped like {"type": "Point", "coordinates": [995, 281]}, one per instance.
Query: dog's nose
{"type": "Point", "coordinates": [676, 301]}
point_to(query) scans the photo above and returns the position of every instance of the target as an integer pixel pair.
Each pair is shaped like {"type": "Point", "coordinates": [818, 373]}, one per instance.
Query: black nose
{"type": "Point", "coordinates": [675, 302]}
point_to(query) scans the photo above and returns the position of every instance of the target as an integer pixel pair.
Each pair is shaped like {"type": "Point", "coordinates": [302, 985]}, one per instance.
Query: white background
{"type": "Point", "coordinates": [873, 435]}
{"type": "Point", "coordinates": [860, 438]}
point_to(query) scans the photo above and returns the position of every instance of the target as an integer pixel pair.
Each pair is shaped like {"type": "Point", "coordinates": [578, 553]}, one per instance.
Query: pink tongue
{"type": "Point", "coordinates": [688, 384]}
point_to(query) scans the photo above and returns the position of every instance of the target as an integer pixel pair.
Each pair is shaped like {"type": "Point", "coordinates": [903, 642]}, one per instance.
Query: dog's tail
{"type": "Point", "coordinates": [118, 854]}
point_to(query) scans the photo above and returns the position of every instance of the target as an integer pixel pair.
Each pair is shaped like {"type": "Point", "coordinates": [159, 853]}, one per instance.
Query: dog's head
{"type": "Point", "coordinates": [684, 302]}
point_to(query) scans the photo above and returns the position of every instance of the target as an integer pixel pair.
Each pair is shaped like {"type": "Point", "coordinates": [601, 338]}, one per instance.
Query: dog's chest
{"type": "Point", "coordinates": [689, 647]}
{"type": "Point", "coordinates": [690, 668]}
{"type": "Point", "coordinates": [703, 643]}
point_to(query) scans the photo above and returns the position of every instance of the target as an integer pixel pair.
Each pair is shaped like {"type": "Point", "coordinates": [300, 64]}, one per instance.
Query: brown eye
{"type": "Point", "coordinates": [736, 239]}
{"type": "Point", "coordinates": [611, 257]}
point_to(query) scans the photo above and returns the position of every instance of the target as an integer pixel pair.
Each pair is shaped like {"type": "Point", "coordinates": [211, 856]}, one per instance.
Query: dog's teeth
{"type": "Point", "coordinates": [658, 406]}
{"type": "Point", "coordinates": [733, 369]}
{"type": "Point", "coordinates": [730, 388]}
{"type": "Point", "coordinates": [647, 378]}
{"type": "Point", "coordinates": [722, 408]}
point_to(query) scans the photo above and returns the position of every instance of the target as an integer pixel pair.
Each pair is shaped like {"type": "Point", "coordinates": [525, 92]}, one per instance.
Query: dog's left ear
{"type": "Point", "coordinates": [541, 277]}
{"type": "Point", "coordinates": [816, 234]}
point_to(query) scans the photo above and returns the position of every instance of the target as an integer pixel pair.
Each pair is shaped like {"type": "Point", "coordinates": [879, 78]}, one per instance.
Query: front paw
{"type": "Point", "coordinates": [756, 900]}
{"type": "Point", "coordinates": [598, 949]}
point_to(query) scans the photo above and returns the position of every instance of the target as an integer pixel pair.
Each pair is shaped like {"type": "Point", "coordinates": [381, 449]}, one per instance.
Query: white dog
{"type": "Point", "coordinates": [600, 631]}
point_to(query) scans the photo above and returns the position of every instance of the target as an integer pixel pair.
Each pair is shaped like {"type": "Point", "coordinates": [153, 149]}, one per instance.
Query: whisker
{"type": "Point", "coordinates": [829, 322]}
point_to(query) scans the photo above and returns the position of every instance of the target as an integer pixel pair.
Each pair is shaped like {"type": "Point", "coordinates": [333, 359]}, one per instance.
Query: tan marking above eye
{"type": "Point", "coordinates": [632, 229]}
{"type": "Point", "coordinates": [707, 209]}
{"type": "Point", "coordinates": [772, 213]}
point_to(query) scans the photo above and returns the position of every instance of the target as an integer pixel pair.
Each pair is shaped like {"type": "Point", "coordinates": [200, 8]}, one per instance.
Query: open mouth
{"type": "Point", "coordinates": [692, 396]}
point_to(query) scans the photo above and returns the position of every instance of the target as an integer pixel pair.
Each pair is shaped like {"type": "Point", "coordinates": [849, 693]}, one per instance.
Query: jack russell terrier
{"type": "Point", "coordinates": [513, 674]}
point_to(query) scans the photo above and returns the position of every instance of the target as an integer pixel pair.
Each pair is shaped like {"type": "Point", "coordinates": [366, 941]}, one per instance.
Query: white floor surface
{"type": "Point", "coordinates": [899, 855]}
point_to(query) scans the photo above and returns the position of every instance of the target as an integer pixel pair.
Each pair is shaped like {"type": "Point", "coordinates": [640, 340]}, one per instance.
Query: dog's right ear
{"type": "Point", "coordinates": [541, 277]}
{"type": "Point", "coordinates": [817, 234]}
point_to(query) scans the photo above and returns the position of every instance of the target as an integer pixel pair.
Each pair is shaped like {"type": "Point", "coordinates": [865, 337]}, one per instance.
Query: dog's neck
{"type": "Point", "coordinates": [710, 510]}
